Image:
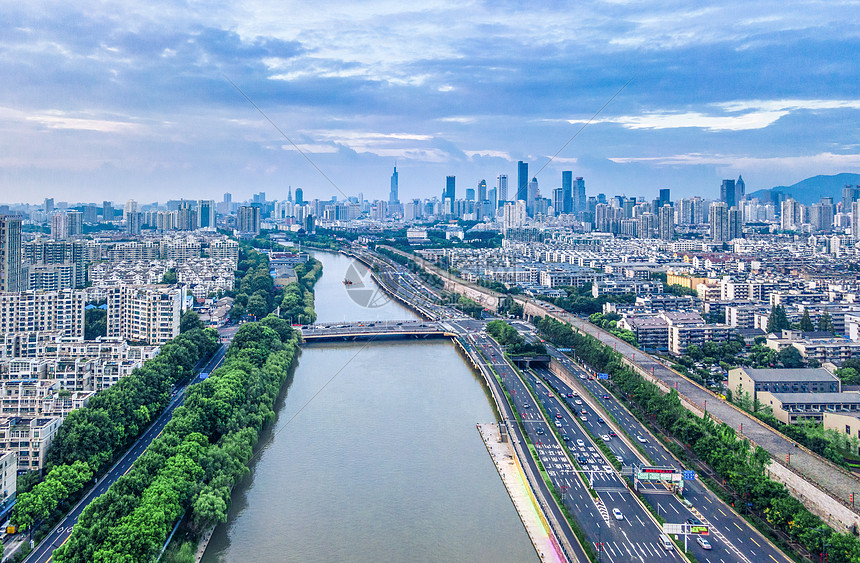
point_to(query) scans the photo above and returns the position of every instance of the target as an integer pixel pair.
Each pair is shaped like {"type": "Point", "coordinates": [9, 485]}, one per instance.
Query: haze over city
{"type": "Point", "coordinates": [127, 100]}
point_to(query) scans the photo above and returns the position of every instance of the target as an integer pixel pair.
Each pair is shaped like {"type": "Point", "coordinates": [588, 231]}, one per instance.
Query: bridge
{"type": "Point", "coordinates": [375, 330]}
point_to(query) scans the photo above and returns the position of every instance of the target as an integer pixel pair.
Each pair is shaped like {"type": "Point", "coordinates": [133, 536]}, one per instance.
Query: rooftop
{"type": "Point", "coordinates": [790, 374]}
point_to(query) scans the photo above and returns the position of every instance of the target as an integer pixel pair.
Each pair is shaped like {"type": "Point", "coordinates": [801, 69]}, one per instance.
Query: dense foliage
{"type": "Point", "coordinates": [580, 301]}
{"type": "Point", "coordinates": [255, 289]}
{"type": "Point", "coordinates": [733, 458]}
{"type": "Point", "coordinates": [92, 437]}
{"type": "Point", "coordinates": [198, 458]}
{"type": "Point", "coordinates": [609, 322]}
{"type": "Point", "coordinates": [506, 335]}
{"type": "Point", "coordinates": [298, 301]}
{"type": "Point", "coordinates": [95, 323]}
{"type": "Point", "coordinates": [427, 277]}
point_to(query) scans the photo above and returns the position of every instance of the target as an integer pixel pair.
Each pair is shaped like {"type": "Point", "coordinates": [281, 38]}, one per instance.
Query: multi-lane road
{"type": "Point", "coordinates": [731, 538]}
{"type": "Point", "coordinates": [61, 532]}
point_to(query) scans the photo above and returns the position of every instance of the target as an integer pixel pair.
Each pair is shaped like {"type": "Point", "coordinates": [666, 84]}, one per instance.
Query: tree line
{"type": "Point", "coordinates": [298, 301]}
{"type": "Point", "coordinates": [733, 458]}
{"type": "Point", "coordinates": [93, 437]}
{"type": "Point", "coordinates": [192, 466]}
{"type": "Point", "coordinates": [515, 344]}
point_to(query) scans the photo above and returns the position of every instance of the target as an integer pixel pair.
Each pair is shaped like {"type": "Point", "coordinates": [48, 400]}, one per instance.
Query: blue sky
{"type": "Point", "coordinates": [118, 100]}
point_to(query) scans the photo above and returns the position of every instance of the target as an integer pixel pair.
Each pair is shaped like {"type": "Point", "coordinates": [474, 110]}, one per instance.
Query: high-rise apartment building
{"type": "Point", "coordinates": [55, 265]}
{"type": "Point", "coordinates": [66, 224]}
{"type": "Point", "coordinates": [667, 222]}
{"type": "Point", "coordinates": [791, 215]}
{"type": "Point", "coordinates": [107, 211]}
{"type": "Point", "coordinates": [144, 313]}
{"type": "Point", "coordinates": [49, 206]}
{"type": "Point", "coordinates": [532, 193]}
{"type": "Point", "coordinates": [855, 220]}
{"type": "Point", "coordinates": [248, 219]}
{"type": "Point", "coordinates": [11, 278]}
{"type": "Point", "coordinates": [736, 223]}
{"type": "Point", "coordinates": [38, 311]}
{"type": "Point", "coordinates": [522, 180]}
{"type": "Point", "coordinates": [514, 215]}
{"type": "Point", "coordinates": [718, 218]}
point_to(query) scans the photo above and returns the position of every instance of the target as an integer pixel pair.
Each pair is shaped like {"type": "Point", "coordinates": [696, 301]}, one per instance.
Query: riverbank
{"type": "Point", "coordinates": [511, 473]}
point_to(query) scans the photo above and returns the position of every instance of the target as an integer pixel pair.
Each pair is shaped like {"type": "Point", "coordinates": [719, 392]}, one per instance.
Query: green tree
{"type": "Point", "coordinates": [169, 276]}
{"type": "Point", "coordinates": [257, 306]}
{"type": "Point", "coordinates": [190, 320]}
{"type": "Point", "coordinates": [825, 323]}
{"type": "Point", "coordinates": [95, 323]}
{"type": "Point", "coordinates": [777, 320]}
{"type": "Point", "coordinates": [790, 357]}
{"type": "Point", "coordinates": [806, 322]}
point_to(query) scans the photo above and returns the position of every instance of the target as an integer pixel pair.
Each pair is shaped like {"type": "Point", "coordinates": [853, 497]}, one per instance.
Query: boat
{"type": "Point", "coordinates": [347, 282]}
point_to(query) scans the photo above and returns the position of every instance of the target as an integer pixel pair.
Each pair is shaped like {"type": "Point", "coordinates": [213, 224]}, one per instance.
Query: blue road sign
{"type": "Point", "coordinates": [602, 376]}
{"type": "Point", "coordinates": [564, 349]}
{"type": "Point", "coordinates": [688, 475]}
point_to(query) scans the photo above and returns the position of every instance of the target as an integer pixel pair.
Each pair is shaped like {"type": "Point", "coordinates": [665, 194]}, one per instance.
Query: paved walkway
{"type": "Point", "coordinates": [512, 475]}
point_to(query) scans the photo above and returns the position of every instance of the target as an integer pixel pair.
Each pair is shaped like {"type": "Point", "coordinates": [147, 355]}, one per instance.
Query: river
{"type": "Point", "coordinates": [374, 456]}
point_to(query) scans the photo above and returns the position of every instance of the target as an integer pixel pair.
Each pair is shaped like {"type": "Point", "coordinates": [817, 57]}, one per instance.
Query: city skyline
{"type": "Point", "coordinates": [129, 104]}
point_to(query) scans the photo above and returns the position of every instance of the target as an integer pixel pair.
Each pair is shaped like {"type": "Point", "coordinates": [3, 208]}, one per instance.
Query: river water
{"type": "Point", "coordinates": [374, 456]}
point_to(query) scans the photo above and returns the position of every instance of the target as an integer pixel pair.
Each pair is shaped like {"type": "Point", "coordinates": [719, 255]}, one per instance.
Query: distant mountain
{"type": "Point", "coordinates": [811, 190]}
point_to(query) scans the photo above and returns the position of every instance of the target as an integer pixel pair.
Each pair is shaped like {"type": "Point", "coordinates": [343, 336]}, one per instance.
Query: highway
{"type": "Point", "coordinates": [731, 538]}
{"type": "Point", "coordinates": [61, 532]}
{"type": "Point", "coordinates": [633, 537]}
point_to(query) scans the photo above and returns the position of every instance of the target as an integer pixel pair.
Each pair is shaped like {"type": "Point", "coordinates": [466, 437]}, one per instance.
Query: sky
{"type": "Point", "coordinates": [107, 100]}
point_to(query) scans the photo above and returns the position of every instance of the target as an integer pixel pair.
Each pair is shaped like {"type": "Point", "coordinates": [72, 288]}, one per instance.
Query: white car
{"type": "Point", "coordinates": [578, 402]}
{"type": "Point", "coordinates": [558, 424]}
{"type": "Point", "coordinates": [580, 443]}
{"type": "Point", "coordinates": [617, 514]}
{"type": "Point", "coordinates": [641, 439]}
{"type": "Point", "coordinates": [605, 437]}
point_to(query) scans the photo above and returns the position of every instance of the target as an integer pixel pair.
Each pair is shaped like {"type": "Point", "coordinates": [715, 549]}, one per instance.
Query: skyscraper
{"type": "Point", "coordinates": [502, 188]}
{"type": "Point", "coordinates": [665, 198]}
{"type": "Point", "coordinates": [522, 180]}
{"type": "Point", "coordinates": [558, 200]}
{"type": "Point", "coordinates": [449, 192]}
{"type": "Point", "coordinates": [740, 190]}
{"type": "Point", "coordinates": [470, 194]}
{"type": "Point", "coordinates": [531, 196]}
{"type": "Point", "coordinates": [49, 205]}
{"type": "Point", "coordinates": [300, 196]}
{"type": "Point", "coordinates": [482, 190]}
{"type": "Point", "coordinates": [850, 194]}
{"type": "Point", "coordinates": [727, 193]}
{"type": "Point", "coordinates": [566, 192]}
{"type": "Point", "coordinates": [718, 217]}
{"type": "Point", "coordinates": [394, 194]}
{"type": "Point", "coordinates": [579, 201]}
{"type": "Point", "coordinates": [11, 278]}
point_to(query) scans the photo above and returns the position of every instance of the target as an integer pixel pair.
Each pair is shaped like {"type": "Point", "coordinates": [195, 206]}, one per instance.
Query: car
{"type": "Point", "coordinates": [540, 431]}
{"type": "Point", "coordinates": [612, 433]}
{"type": "Point", "coordinates": [558, 424]}
{"type": "Point", "coordinates": [580, 443]}
{"type": "Point", "coordinates": [606, 397]}
{"type": "Point", "coordinates": [526, 405]}
{"type": "Point", "coordinates": [703, 542]}
{"type": "Point", "coordinates": [583, 411]}
{"type": "Point", "coordinates": [605, 437]}
{"type": "Point", "coordinates": [619, 458]}
{"type": "Point", "coordinates": [582, 377]}
{"type": "Point", "coordinates": [577, 402]}
{"type": "Point", "coordinates": [558, 415]}
{"type": "Point", "coordinates": [575, 394]}
{"type": "Point", "coordinates": [641, 439]}
{"type": "Point", "coordinates": [582, 460]}
{"type": "Point", "coordinates": [617, 514]}
{"type": "Point", "coordinates": [583, 418]}
{"type": "Point", "coordinates": [570, 395]}
{"type": "Point", "coordinates": [599, 420]}
{"type": "Point", "coordinates": [565, 437]}
{"type": "Point", "coordinates": [695, 522]}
